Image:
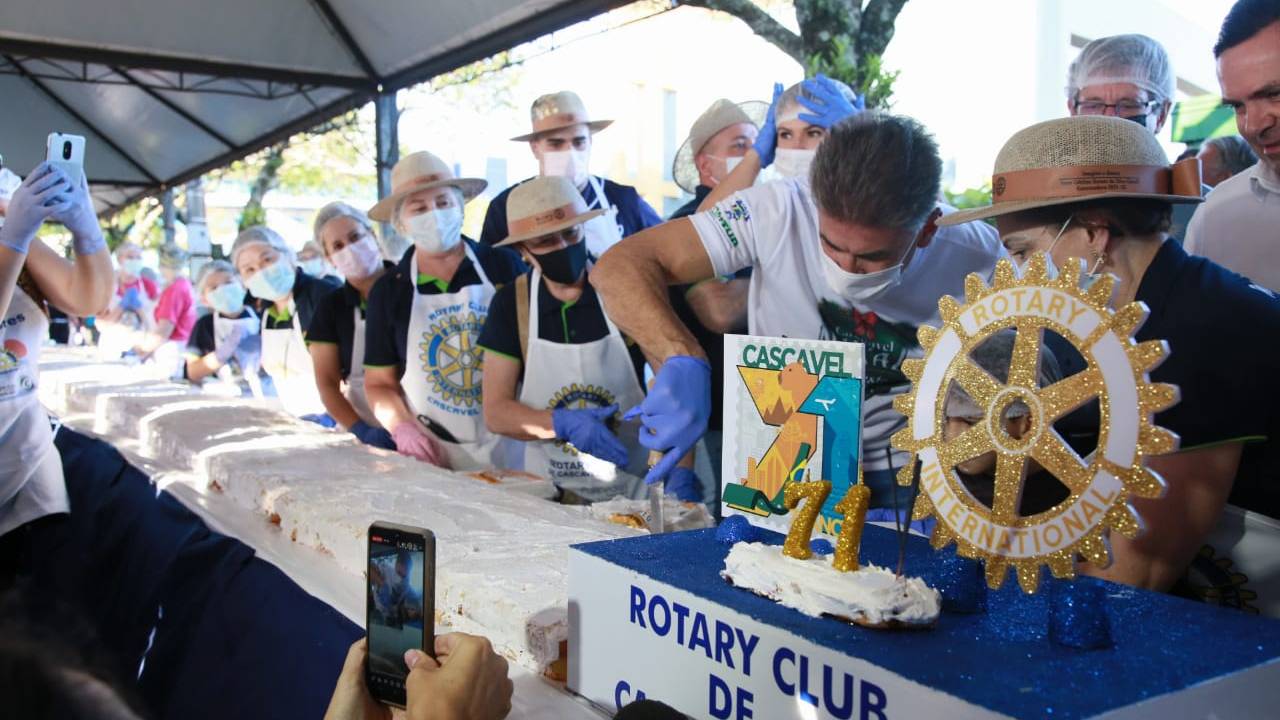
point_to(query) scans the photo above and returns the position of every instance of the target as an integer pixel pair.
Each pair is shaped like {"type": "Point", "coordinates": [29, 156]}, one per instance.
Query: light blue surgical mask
{"type": "Point", "coordinates": [132, 266]}
{"type": "Point", "coordinates": [313, 267]}
{"type": "Point", "coordinates": [273, 282]}
{"type": "Point", "coordinates": [227, 298]}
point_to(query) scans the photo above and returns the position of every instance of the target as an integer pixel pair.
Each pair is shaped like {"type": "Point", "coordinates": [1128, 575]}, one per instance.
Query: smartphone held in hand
{"type": "Point", "coordinates": [66, 152]}
{"type": "Point", "coordinates": [400, 605]}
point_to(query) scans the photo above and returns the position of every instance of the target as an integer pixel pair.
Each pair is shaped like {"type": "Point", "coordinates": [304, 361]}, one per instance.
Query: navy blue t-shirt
{"type": "Point", "coordinates": [634, 214]}
{"type": "Point", "coordinates": [334, 322]}
{"type": "Point", "coordinates": [1221, 330]}
{"type": "Point", "coordinates": [391, 300]}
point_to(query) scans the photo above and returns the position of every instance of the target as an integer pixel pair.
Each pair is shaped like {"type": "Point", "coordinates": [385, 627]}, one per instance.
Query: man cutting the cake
{"type": "Point", "coordinates": [850, 253]}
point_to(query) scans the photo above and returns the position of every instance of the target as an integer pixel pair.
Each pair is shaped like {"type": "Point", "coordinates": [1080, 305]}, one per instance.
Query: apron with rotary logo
{"type": "Point", "coordinates": [441, 380]}
{"type": "Point", "coordinates": [31, 482]}
{"type": "Point", "coordinates": [593, 374]}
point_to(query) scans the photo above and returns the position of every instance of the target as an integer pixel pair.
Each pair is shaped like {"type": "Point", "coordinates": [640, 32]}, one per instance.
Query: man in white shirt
{"type": "Point", "coordinates": [850, 253]}
{"type": "Point", "coordinates": [1238, 227]}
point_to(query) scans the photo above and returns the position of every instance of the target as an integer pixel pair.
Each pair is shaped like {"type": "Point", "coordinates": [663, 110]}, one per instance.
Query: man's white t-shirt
{"type": "Point", "coordinates": [1238, 226]}
{"type": "Point", "coordinates": [774, 229]}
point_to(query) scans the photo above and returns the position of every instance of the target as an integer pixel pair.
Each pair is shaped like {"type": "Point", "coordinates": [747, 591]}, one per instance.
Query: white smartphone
{"type": "Point", "coordinates": [66, 152]}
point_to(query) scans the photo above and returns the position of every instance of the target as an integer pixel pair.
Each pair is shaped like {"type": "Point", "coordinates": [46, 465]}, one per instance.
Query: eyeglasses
{"type": "Point", "coordinates": [1124, 108]}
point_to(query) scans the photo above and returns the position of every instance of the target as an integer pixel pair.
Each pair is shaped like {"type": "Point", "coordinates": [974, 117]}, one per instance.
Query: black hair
{"type": "Point", "coordinates": [1245, 19]}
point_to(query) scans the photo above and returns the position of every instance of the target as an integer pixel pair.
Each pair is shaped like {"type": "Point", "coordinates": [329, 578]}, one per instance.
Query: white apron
{"type": "Point", "coordinates": [594, 374]}
{"type": "Point", "coordinates": [31, 482]}
{"type": "Point", "coordinates": [287, 361]}
{"type": "Point", "coordinates": [601, 232]}
{"type": "Point", "coordinates": [441, 380]}
{"type": "Point", "coordinates": [353, 386]}
{"type": "Point", "coordinates": [248, 354]}
{"type": "Point", "coordinates": [1240, 562]}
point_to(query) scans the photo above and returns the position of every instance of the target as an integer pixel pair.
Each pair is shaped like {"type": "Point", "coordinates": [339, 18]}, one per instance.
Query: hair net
{"type": "Point", "coordinates": [8, 183]}
{"type": "Point", "coordinates": [789, 107]}
{"type": "Point", "coordinates": [211, 267]}
{"type": "Point", "coordinates": [1133, 59]}
{"type": "Point", "coordinates": [261, 234]}
{"type": "Point", "coordinates": [172, 256]}
{"type": "Point", "coordinates": [337, 210]}
{"type": "Point", "coordinates": [994, 356]}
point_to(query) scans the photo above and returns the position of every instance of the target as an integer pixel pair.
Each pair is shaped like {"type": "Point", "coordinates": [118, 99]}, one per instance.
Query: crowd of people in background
{"type": "Point", "coordinates": [580, 336]}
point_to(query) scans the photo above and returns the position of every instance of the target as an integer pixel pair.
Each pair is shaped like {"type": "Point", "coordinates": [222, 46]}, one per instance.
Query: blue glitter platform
{"type": "Point", "coordinates": [1002, 660]}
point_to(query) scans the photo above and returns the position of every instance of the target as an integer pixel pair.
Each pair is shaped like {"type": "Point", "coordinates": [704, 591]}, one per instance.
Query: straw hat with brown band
{"type": "Point", "coordinates": [1083, 158]}
{"type": "Point", "coordinates": [722, 114]}
{"type": "Point", "coordinates": [422, 171]}
{"type": "Point", "coordinates": [544, 205]}
{"type": "Point", "coordinates": [557, 111]}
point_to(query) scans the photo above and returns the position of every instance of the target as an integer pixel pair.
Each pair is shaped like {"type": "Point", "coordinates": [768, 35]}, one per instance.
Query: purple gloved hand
{"type": "Point", "coordinates": [40, 197]}
{"type": "Point", "coordinates": [684, 485]}
{"type": "Point", "coordinates": [828, 105]}
{"type": "Point", "coordinates": [767, 139]}
{"type": "Point", "coordinates": [79, 217]}
{"type": "Point", "coordinates": [585, 429]}
{"type": "Point", "coordinates": [674, 414]}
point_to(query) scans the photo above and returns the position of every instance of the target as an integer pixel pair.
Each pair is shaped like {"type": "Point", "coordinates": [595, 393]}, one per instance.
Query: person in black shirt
{"type": "Point", "coordinates": [561, 141]}
{"type": "Point", "coordinates": [718, 140]}
{"type": "Point", "coordinates": [285, 298]}
{"type": "Point", "coordinates": [337, 332]}
{"type": "Point", "coordinates": [229, 332]}
{"type": "Point", "coordinates": [422, 364]}
{"type": "Point", "coordinates": [557, 371]}
{"type": "Point", "coordinates": [1215, 323]}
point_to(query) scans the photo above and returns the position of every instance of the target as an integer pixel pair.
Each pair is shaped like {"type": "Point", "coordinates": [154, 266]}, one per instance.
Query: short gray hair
{"type": "Point", "coordinates": [211, 267]}
{"type": "Point", "coordinates": [878, 170]}
{"type": "Point", "coordinates": [1133, 58]}
{"type": "Point", "coordinates": [336, 210]}
{"type": "Point", "coordinates": [261, 234]}
{"type": "Point", "coordinates": [1233, 152]}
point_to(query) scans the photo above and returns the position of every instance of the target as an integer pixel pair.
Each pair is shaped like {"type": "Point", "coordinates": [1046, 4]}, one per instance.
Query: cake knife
{"type": "Point", "coordinates": [657, 523]}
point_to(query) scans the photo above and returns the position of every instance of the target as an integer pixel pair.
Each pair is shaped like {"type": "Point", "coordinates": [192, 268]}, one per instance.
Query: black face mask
{"type": "Point", "coordinates": [1140, 119]}
{"type": "Point", "coordinates": [565, 265]}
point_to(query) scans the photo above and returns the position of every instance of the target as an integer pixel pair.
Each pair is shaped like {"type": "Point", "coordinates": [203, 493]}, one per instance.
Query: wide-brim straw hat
{"type": "Point", "coordinates": [558, 111]}
{"type": "Point", "coordinates": [722, 114]}
{"type": "Point", "coordinates": [544, 205]}
{"type": "Point", "coordinates": [422, 171]}
{"type": "Point", "coordinates": [1088, 157]}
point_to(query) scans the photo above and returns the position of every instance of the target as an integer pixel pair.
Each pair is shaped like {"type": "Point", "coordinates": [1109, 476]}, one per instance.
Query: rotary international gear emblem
{"type": "Point", "coordinates": [1100, 484]}
{"type": "Point", "coordinates": [579, 396]}
{"type": "Point", "coordinates": [452, 360]}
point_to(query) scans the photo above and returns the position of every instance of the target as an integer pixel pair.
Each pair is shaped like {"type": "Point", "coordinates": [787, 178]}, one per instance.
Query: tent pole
{"type": "Point", "coordinates": [386, 122]}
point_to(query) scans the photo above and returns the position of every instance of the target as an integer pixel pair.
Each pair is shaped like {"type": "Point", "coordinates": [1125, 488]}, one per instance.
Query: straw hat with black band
{"type": "Point", "coordinates": [1081, 158]}
{"type": "Point", "coordinates": [422, 171]}
{"type": "Point", "coordinates": [722, 114]}
{"type": "Point", "coordinates": [544, 205]}
{"type": "Point", "coordinates": [557, 111]}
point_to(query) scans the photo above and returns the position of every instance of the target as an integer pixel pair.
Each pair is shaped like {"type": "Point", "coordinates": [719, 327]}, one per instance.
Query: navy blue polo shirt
{"type": "Point", "coordinates": [711, 342]}
{"type": "Point", "coordinates": [308, 291]}
{"type": "Point", "coordinates": [1221, 330]}
{"type": "Point", "coordinates": [335, 322]}
{"type": "Point", "coordinates": [391, 299]}
{"type": "Point", "coordinates": [573, 323]}
{"type": "Point", "coordinates": [634, 214]}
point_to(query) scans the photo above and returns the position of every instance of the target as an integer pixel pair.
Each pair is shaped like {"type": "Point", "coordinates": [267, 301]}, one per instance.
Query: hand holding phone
{"type": "Point", "coordinates": [400, 605]}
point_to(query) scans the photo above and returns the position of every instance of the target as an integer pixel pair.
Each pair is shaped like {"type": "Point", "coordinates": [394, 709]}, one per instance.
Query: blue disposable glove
{"type": "Point", "coordinates": [684, 484]}
{"type": "Point", "coordinates": [375, 436]}
{"type": "Point", "coordinates": [675, 412]}
{"type": "Point", "coordinates": [767, 140]}
{"type": "Point", "coordinates": [585, 429]}
{"type": "Point", "coordinates": [37, 199]}
{"type": "Point", "coordinates": [79, 217]}
{"type": "Point", "coordinates": [826, 105]}
{"type": "Point", "coordinates": [321, 419]}
{"type": "Point", "coordinates": [131, 301]}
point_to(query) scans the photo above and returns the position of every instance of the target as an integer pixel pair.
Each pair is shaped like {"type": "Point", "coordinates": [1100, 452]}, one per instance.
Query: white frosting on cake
{"type": "Point", "coordinates": [677, 515]}
{"type": "Point", "coordinates": [870, 595]}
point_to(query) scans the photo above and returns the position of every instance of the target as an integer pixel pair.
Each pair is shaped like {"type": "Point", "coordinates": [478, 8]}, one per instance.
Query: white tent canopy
{"type": "Point", "coordinates": [166, 90]}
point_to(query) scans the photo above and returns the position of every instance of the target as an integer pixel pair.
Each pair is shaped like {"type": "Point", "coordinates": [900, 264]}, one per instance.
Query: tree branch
{"type": "Point", "coordinates": [760, 22]}
{"type": "Point", "coordinates": [878, 19]}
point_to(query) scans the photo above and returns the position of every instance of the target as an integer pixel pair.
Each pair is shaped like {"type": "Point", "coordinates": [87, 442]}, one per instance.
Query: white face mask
{"type": "Point", "coordinates": [860, 287]}
{"type": "Point", "coordinates": [436, 231]}
{"type": "Point", "coordinates": [570, 164]}
{"type": "Point", "coordinates": [793, 163]}
{"type": "Point", "coordinates": [1051, 268]}
{"type": "Point", "coordinates": [730, 163]}
{"type": "Point", "coordinates": [359, 259]}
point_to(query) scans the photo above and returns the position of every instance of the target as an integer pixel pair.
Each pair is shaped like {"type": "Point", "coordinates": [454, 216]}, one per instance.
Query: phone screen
{"type": "Point", "coordinates": [400, 607]}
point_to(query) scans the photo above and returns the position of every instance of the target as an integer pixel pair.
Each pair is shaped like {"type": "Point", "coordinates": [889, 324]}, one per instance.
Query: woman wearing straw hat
{"type": "Point", "coordinates": [337, 333]}
{"type": "Point", "coordinates": [561, 141]}
{"type": "Point", "coordinates": [286, 298]}
{"type": "Point", "coordinates": [556, 367]}
{"type": "Point", "coordinates": [175, 313]}
{"type": "Point", "coordinates": [422, 365]}
{"type": "Point", "coordinates": [1047, 201]}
